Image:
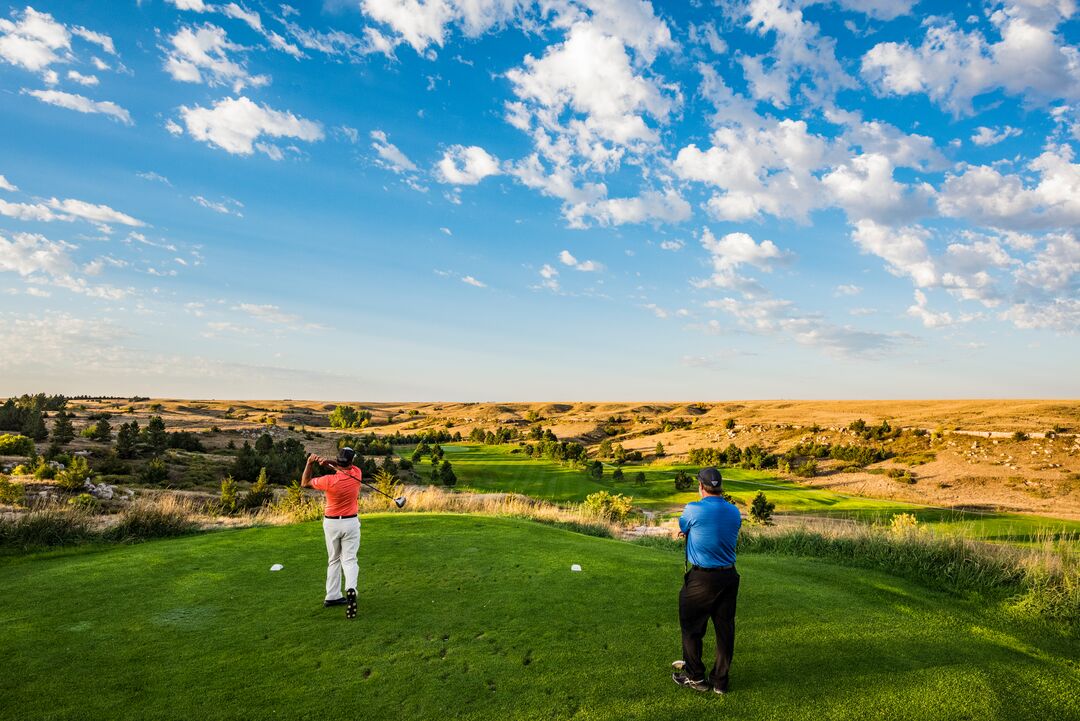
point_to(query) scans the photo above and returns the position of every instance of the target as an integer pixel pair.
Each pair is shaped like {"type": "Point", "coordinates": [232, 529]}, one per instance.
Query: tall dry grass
{"type": "Point", "coordinates": [1038, 581]}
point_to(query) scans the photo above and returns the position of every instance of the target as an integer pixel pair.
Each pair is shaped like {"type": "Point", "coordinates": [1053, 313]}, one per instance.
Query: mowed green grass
{"type": "Point", "coordinates": [497, 468]}
{"type": "Point", "coordinates": [480, 618]}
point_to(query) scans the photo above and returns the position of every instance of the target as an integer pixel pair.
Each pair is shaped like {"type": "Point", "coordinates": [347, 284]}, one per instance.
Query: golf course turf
{"type": "Point", "coordinates": [481, 618]}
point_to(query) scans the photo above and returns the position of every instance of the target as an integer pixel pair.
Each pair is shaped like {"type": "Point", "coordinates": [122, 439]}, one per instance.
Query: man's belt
{"type": "Point", "coordinates": [714, 568]}
{"type": "Point", "coordinates": [336, 518]}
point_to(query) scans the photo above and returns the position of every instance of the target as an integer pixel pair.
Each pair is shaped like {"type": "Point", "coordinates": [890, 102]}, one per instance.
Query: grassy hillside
{"type": "Point", "coordinates": [480, 618]}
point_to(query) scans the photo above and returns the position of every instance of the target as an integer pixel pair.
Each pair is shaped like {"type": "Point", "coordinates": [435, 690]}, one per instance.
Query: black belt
{"type": "Point", "coordinates": [715, 568]}
{"type": "Point", "coordinates": [336, 518]}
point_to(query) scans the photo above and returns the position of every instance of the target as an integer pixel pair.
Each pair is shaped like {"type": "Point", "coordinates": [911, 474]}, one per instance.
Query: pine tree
{"type": "Point", "coordinates": [127, 439]}
{"type": "Point", "coordinates": [102, 431]}
{"type": "Point", "coordinates": [660, 452]}
{"type": "Point", "coordinates": [156, 437]}
{"type": "Point", "coordinates": [63, 432]}
{"type": "Point", "coordinates": [34, 425]}
{"type": "Point", "coordinates": [447, 475]}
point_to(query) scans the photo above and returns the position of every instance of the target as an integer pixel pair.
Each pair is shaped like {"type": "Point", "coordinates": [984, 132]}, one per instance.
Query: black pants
{"type": "Point", "coordinates": [705, 595]}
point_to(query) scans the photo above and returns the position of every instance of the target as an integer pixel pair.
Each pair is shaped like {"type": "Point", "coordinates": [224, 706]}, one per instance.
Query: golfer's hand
{"type": "Point", "coordinates": [312, 458]}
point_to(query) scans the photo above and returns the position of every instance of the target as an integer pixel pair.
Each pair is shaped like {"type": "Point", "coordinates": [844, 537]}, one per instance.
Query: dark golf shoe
{"type": "Point", "coordinates": [334, 602]}
{"type": "Point", "coordinates": [686, 682]}
{"type": "Point", "coordinates": [350, 603]}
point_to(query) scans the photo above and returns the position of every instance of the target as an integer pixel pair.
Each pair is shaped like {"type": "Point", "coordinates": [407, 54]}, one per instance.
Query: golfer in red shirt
{"type": "Point", "coordinates": [341, 525]}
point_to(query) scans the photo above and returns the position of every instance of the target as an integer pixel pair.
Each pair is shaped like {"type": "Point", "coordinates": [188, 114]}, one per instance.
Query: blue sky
{"type": "Point", "coordinates": [510, 200]}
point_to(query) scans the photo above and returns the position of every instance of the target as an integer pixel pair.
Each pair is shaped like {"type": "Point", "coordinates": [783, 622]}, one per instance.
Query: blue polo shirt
{"type": "Point", "coordinates": [711, 526]}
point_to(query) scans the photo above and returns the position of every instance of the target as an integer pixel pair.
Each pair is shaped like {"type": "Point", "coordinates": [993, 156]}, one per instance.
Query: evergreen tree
{"type": "Point", "coordinates": [605, 448]}
{"type": "Point", "coordinates": [436, 454]}
{"type": "Point", "coordinates": [660, 452]}
{"type": "Point", "coordinates": [127, 439]}
{"type": "Point", "coordinates": [639, 478]}
{"type": "Point", "coordinates": [617, 475]}
{"type": "Point", "coordinates": [156, 437]}
{"type": "Point", "coordinates": [761, 509]}
{"type": "Point", "coordinates": [264, 444]}
{"type": "Point", "coordinates": [102, 431]}
{"type": "Point", "coordinates": [447, 475]}
{"type": "Point", "coordinates": [246, 466]}
{"type": "Point", "coordinates": [62, 432]}
{"type": "Point", "coordinates": [596, 470]}
{"type": "Point", "coordinates": [11, 417]}
{"type": "Point", "coordinates": [34, 425]}
{"type": "Point", "coordinates": [683, 481]}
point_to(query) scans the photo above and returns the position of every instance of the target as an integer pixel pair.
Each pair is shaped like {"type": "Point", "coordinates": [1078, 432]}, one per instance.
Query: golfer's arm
{"type": "Point", "coordinates": [305, 480]}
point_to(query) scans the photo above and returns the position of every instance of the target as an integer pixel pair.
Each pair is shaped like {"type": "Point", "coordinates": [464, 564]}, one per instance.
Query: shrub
{"type": "Point", "coordinates": [12, 494]}
{"type": "Point", "coordinates": [607, 506]}
{"type": "Point", "coordinates": [111, 464]}
{"type": "Point", "coordinates": [75, 475]}
{"type": "Point", "coordinates": [44, 472]}
{"type": "Point", "coordinates": [595, 470]}
{"type": "Point", "coordinates": [806, 470]}
{"type": "Point", "coordinates": [903, 523]}
{"type": "Point", "coordinates": [1019, 436]}
{"type": "Point", "coordinates": [43, 527]}
{"type": "Point", "coordinates": [16, 445]}
{"type": "Point", "coordinates": [387, 483]}
{"type": "Point", "coordinates": [349, 417]}
{"type": "Point", "coordinates": [259, 494]}
{"type": "Point", "coordinates": [154, 472]}
{"type": "Point", "coordinates": [617, 475]}
{"type": "Point", "coordinates": [297, 505]}
{"type": "Point", "coordinates": [639, 478]}
{"type": "Point", "coordinates": [660, 452]}
{"type": "Point", "coordinates": [683, 481]}
{"type": "Point", "coordinates": [729, 424]}
{"type": "Point", "coordinates": [160, 518]}
{"type": "Point", "coordinates": [84, 502]}
{"type": "Point", "coordinates": [761, 509]}
{"type": "Point", "coordinates": [229, 500]}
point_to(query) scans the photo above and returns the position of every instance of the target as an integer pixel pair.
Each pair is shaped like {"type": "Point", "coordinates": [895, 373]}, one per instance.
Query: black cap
{"type": "Point", "coordinates": [345, 456]}
{"type": "Point", "coordinates": [710, 478]}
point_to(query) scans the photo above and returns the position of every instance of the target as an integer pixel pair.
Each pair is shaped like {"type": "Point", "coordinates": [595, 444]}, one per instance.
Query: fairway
{"type": "Point", "coordinates": [481, 618]}
{"type": "Point", "coordinates": [498, 468]}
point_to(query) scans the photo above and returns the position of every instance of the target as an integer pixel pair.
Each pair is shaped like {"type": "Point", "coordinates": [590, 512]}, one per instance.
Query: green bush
{"type": "Point", "coordinates": [154, 472]}
{"type": "Point", "coordinates": [607, 506]}
{"type": "Point", "coordinates": [761, 509]}
{"type": "Point", "coordinates": [683, 481]}
{"type": "Point", "coordinates": [297, 505]}
{"type": "Point", "coordinates": [12, 494]}
{"type": "Point", "coordinates": [16, 445]}
{"type": "Point", "coordinates": [44, 472]}
{"type": "Point", "coordinates": [74, 477]}
{"type": "Point", "coordinates": [229, 499]}
{"type": "Point", "coordinates": [83, 501]}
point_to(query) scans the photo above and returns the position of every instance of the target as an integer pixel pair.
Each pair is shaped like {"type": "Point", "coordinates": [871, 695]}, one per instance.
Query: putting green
{"type": "Point", "coordinates": [481, 618]}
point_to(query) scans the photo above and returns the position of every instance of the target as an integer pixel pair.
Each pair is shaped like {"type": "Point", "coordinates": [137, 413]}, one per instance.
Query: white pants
{"type": "Point", "coordinates": [342, 543]}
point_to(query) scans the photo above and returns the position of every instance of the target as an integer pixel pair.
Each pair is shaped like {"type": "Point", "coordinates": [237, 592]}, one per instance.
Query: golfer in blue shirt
{"type": "Point", "coordinates": [711, 584]}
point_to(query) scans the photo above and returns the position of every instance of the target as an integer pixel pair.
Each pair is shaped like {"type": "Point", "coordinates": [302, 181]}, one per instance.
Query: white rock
{"type": "Point", "coordinates": [575, 567]}
{"type": "Point", "coordinates": [276, 567]}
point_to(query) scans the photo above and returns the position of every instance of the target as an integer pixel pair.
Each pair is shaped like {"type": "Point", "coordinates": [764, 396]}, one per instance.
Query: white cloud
{"type": "Point", "coordinates": [864, 187]}
{"type": "Point", "coordinates": [234, 124]}
{"type": "Point", "coordinates": [462, 165]}
{"type": "Point", "coordinates": [929, 318]}
{"type": "Point", "coordinates": [88, 80]}
{"type": "Point", "coordinates": [774, 316]}
{"type": "Point", "coordinates": [469, 280]}
{"type": "Point", "coordinates": [422, 23]}
{"type": "Point", "coordinates": [82, 104]}
{"type": "Point", "coordinates": [549, 277]}
{"type": "Point", "coordinates": [953, 67]}
{"type": "Point", "coordinates": [586, 266]}
{"type": "Point", "coordinates": [201, 54]}
{"type": "Point", "coordinates": [668, 207]}
{"type": "Point", "coordinates": [880, 9]}
{"type": "Point", "coordinates": [729, 253]}
{"type": "Point", "coordinates": [985, 196]}
{"type": "Point", "coordinates": [226, 206]}
{"type": "Point", "coordinates": [100, 39]}
{"type": "Point", "coordinates": [985, 136]}
{"type": "Point", "coordinates": [40, 260]}
{"type": "Point", "coordinates": [847, 290]}
{"type": "Point", "coordinates": [269, 313]}
{"type": "Point", "coordinates": [672, 245]}
{"type": "Point", "coordinates": [93, 213]}
{"type": "Point", "coordinates": [759, 170]}
{"type": "Point", "coordinates": [390, 155]}
{"type": "Point", "coordinates": [34, 41]}
{"type": "Point", "coordinates": [6, 185]}
{"type": "Point", "coordinates": [903, 249]}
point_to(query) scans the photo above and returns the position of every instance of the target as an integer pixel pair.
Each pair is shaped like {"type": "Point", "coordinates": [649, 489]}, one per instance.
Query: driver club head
{"type": "Point", "coordinates": [399, 501]}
